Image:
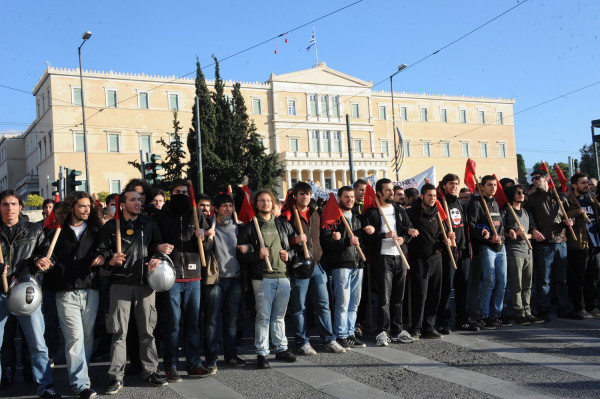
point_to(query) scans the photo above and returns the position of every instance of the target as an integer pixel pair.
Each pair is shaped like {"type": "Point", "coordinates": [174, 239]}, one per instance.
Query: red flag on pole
{"type": "Point", "coordinates": [440, 208]}
{"type": "Point", "coordinates": [247, 212]}
{"type": "Point", "coordinates": [500, 196]}
{"type": "Point", "coordinates": [331, 213]}
{"type": "Point", "coordinates": [286, 208]}
{"type": "Point", "coordinates": [469, 175]}
{"type": "Point", "coordinates": [543, 166]}
{"type": "Point", "coordinates": [561, 178]}
{"type": "Point", "coordinates": [56, 198]}
{"type": "Point", "coordinates": [117, 207]}
{"type": "Point", "coordinates": [369, 200]}
{"type": "Point", "coordinates": [51, 223]}
{"type": "Point", "coordinates": [440, 191]}
{"type": "Point", "coordinates": [192, 197]}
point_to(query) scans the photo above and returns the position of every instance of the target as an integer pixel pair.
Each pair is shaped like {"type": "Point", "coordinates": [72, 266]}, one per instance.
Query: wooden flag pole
{"type": "Point", "coordinates": [235, 217]}
{"type": "Point", "coordinates": [4, 280]}
{"type": "Point", "coordinates": [387, 223]}
{"type": "Point", "coordinates": [351, 234]}
{"type": "Point", "coordinates": [441, 223]}
{"type": "Point", "coordinates": [514, 215]}
{"type": "Point", "coordinates": [585, 216]}
{"type": "Point", "coordinates": [213, 225]}
{"type": "Point", "coordinates": [118, 233]}
{"type": "Point", "coordinates": [53, 243]}
{"type": "Point", "coordinates": [261, 240]}
{"type": "Point", "coordinates": [197, 226]}
{"type": "Point", "coordinates": [485, 207]}
{"type": "Point", "coordinates": [299, 224]}
{"type": "Point", "coordinates": [448, 220]}
{"type": "Point", "coordinates": [562, 210]}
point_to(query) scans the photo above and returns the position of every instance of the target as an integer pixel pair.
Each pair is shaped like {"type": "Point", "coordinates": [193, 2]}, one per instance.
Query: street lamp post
{"type": "Point", "coordinates": [397, 167]}
{"type": "Point", "coordinates": [86, 35]}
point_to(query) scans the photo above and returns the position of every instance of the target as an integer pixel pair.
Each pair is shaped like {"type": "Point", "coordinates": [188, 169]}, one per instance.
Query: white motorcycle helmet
{"type": "Point", "coordinates": [162, 277]}
{"type": "Point", "coordinates": [24, 296]}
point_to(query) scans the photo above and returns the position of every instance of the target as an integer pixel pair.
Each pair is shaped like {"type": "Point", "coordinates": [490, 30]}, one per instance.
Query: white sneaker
{"type": "Point", "coordinates": [382, 339]}
{"type": "Point", "coordinates": [595, 312]}
{"type": "Point", "coordinates": [585, 314]}
{"type": "Point", "coordinates": [404, 338]}
{"type": "Point", "coordinates": [334, 347]}
{"type": "Point", "coordinates": [307, 350]}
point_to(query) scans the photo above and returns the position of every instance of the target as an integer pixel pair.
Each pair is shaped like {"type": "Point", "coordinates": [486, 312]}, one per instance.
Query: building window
{"type": "Point", "coordinates": [357, 144]}
{"type": "Point", "coordinates": [446, 149]}
{"type": "Point", "coordinates": [256, 106]}
{"type": "Point", "coordinates": [499, 118]}
{"type": "Point", "coordinates": [113, 143]}
{"type": "Point", "coordinates": [355, 111]}
{"type": "Point", "coordinates": [324, 106]}
{"type": "Point", "coordinates": [76, 95]}
{"type": "Point", "coordinates": [146, 143]}
{"type": "Point", "coordinates": [444, 115]}
{"type": "Point", "coordinates": [462, 116]}
{"type": "Point", "coordinates": [382, 112]}
{"type": "Point", "coordinates": [465, 149]}
{"type": "Point", "coordinates": [483, 147]}
{"type": "Point", "coordinates": [312, 105]}
{"type": "Point", "coordinates": [291, 107]}
{"type": "Point", "coordinates": [502, 150]}
{"type": "Point", "coordinates": [314, 141]}
{"type": "Point", "coordinates": [404, 113]}
{"type": "Point", "coordinates": [424, 115]}
{"type": "Point", "coordinates": [78, 144]}
{"type": "Point", "coordinates": [294, 145]}
{"type": "Point", "coordinates": [111, 98]}
{"type": "Point", "coordinates": [481, 117]}
{"type": "Point", "coordinates": [115, 186]}
{"type": "Point", "coordinates": [426, 149]}
{"type": "Point", "coordinates": [143, 100]}
{"type": "Point", "coordinates": [385, 148]}
{"type": "Point", "coordinates": [173, 102]}
{"type": "Point", "coordinates": [406, 148]}
{"type": "Point", "coordinates": [325, 147]}
{"type": "Point", "coordinates": [328, 183]}
{"type": "Point", "coordinates": [336, 143]}
{"type": "Point", "coordinates": [335, 106]}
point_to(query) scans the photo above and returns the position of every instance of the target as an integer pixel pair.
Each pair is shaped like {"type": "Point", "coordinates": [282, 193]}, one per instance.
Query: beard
{"type": "Point", "coordinates": [389, 200]}
{"type": "Point", "coordinates": [344, 207]}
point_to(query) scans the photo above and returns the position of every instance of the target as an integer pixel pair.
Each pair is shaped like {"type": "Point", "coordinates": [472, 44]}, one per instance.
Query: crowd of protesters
{"type": "Point", "coordinates": [303, 263]}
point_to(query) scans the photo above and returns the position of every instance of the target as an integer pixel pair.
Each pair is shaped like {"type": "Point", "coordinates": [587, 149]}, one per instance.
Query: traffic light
{"type": "Point", "coordinates": [57, 185]}
{"type": "Point", "coordinates": [150, 169]}
{"type": "Point", "coordinates": [72, 183]}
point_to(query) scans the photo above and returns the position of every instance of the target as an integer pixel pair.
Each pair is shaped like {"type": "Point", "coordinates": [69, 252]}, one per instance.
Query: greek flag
{"type": "Point", "coordinates": [313, 40]}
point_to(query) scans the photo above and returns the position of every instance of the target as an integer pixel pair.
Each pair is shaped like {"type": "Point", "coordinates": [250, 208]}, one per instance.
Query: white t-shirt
{"type": "Point", "coordinates": [387, 244]}
{"type": "Point", "coordinates": [78, 230]}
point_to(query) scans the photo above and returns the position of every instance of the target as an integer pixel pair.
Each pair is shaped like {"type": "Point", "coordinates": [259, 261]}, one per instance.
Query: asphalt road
{"type": "Point", "coordinates": [557, 359]}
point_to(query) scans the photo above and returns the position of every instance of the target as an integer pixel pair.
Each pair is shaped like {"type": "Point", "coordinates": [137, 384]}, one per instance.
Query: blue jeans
{"type": "Point", "coordinates": [77, 315]}
{"type": "Point", "coordinates": [550, 262]}
{"type": "Point", "coordinates": [187, 296]}
{"type": "Point", "coordinates": [33, 328]}
{"type": "Point", "coordinates": [347, 284]}
{"type": "Point", "coordinates": [316, 288]}
{"type": "Point", "coordinates": [3, 317]}
{"type": "Point", "coordinates": [221, 300]}
{"type": "Point", "coordinates": [271, 296]}
{"type": "Point", "coordinates": [494, 270]}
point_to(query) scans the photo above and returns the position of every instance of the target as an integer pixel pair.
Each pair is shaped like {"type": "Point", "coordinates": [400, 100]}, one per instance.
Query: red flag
{"type": "Point", "coordinates": [369, 200]}
{"type": "Point", "coordinates": [470, 175]}
{"type": "Point", "coordinates": [331, 213]}
{"type": "Point", "coordinates": [440, 208]}
{"type": "Point", "coordinates": [192, 197]}
{"type": "Point", "coordinates": [543, 166]}
{"type": "Point", "coordinates": [440, 191]}
{"type": "Point", "coordinates": [247, 212]}
{"type": "Point", "coordinates": [56, 198]}
{"type": "Point", "coordinates": [561, 178]}
{"type": "Point", "coordinates": [500, 196]}
{"type": "Point", "coordinates": [286, 208]}
{"type": "Point", "coordinates": [51, 223]}
{"type": "Point", "coordinates": [117, 207]}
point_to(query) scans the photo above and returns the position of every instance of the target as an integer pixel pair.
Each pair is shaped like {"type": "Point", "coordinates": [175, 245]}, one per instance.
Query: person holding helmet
{"type": "Point", "coordinates": [140, 239]}
{"type": "Point", "coordinates": [23, 245]}
{"type": "Point", "coordinates": [74, 279]}
{"type": "Point", "coordinates": [176, 224]}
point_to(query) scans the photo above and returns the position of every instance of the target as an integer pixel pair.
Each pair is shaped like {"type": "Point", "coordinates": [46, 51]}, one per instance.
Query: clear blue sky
{"type": "Point", "coordinates": [540, 50]}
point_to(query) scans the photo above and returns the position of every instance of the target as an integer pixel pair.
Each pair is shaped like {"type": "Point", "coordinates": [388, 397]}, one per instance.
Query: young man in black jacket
{"type": "Point", "coordinates": [140, 239]}
{"type": "Point", "coordinates": [271, 287]}
{"type": "Point", "coordinates": [426, 263]}
{"type": "Point", "coordinates": [74, 278]}
{"type": "Point", "coordinates": [389, 270]}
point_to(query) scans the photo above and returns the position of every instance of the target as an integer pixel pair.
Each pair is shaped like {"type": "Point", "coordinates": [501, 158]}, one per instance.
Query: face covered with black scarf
{"type": "Point", "coordinates": [180, 203]}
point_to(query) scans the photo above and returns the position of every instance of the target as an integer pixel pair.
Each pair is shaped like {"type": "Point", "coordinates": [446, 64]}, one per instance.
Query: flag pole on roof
{"type": "Point", "coordinates": [313, 42]}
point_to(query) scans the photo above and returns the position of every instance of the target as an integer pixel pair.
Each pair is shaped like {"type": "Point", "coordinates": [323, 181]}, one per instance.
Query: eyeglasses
{"type": "Point", "coordinates": [520, 192]}
{"type": "Point", "coordinates": [536, 177]}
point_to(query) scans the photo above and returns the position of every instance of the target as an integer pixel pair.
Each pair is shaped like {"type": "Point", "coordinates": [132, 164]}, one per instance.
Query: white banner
{"type": "Point", "coordinates": [415, 182]}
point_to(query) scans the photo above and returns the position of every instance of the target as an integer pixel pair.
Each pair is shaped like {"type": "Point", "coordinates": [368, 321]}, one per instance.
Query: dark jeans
{"type": "Point", "coordinates": [444, 315]}
{"type": "Point", "coordinates": [591, 287]}
{"type": "Point", "coordinates": [426, 282]}
{"type": "Point", "coordinates": [550, 263]}
{"type": "Point", "coordinates": [9, 351]}
{"type": "Point", "coordinates": [100, 333]}
{"type": "Point", "coordinates": [221, 301]}
{"type": "Point", "coordinates": [391, 279]}
{"type": "Point", "coordinates": [461, 289]}
{"type": "Point", "coordinates": [52, 331]}
{"type": "Point", "coordinates": [473, 288]}
{"type": "Point", "coordinates": [578, 260]}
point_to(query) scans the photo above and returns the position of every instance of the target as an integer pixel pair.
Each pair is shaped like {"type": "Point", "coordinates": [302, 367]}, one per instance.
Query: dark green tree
{"type": "Point", "coordinates": [521, 170]}
{"type": "Point", "coordinates": [173, 164]}
{"type": "Point", "coordinates": [208, 136]}
{"type": "Point", "coordinates": [588, 160]}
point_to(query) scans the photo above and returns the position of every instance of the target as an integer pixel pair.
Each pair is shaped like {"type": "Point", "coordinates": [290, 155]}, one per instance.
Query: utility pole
{"type": "Point", "coordinates": [350, 160]}
{"type": "Point", "coordinates": [199, 148]}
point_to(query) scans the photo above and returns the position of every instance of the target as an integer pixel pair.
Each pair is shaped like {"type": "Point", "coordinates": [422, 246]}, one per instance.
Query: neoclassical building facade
{"type": "Point", "coordinates": [300, 115]}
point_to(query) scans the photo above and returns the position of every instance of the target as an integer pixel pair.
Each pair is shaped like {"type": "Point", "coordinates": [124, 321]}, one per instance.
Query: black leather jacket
{"type": "Point", "coordinates": [72, 259]}
{"type": "Point", "coordinates": [254, 266]}
{"type": "Point", "coordinates": [340, 253]}
{"type": "Point", "coordinates": [403, 223]}
{"type": "Point", "coordinates": [544, 209]}
{"type": "Point", "coordinates": [28, 243]}
{"type": "Point", "coordinates": [179, 231]}
{"type": "Point", "coordinates": [138, 249]}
